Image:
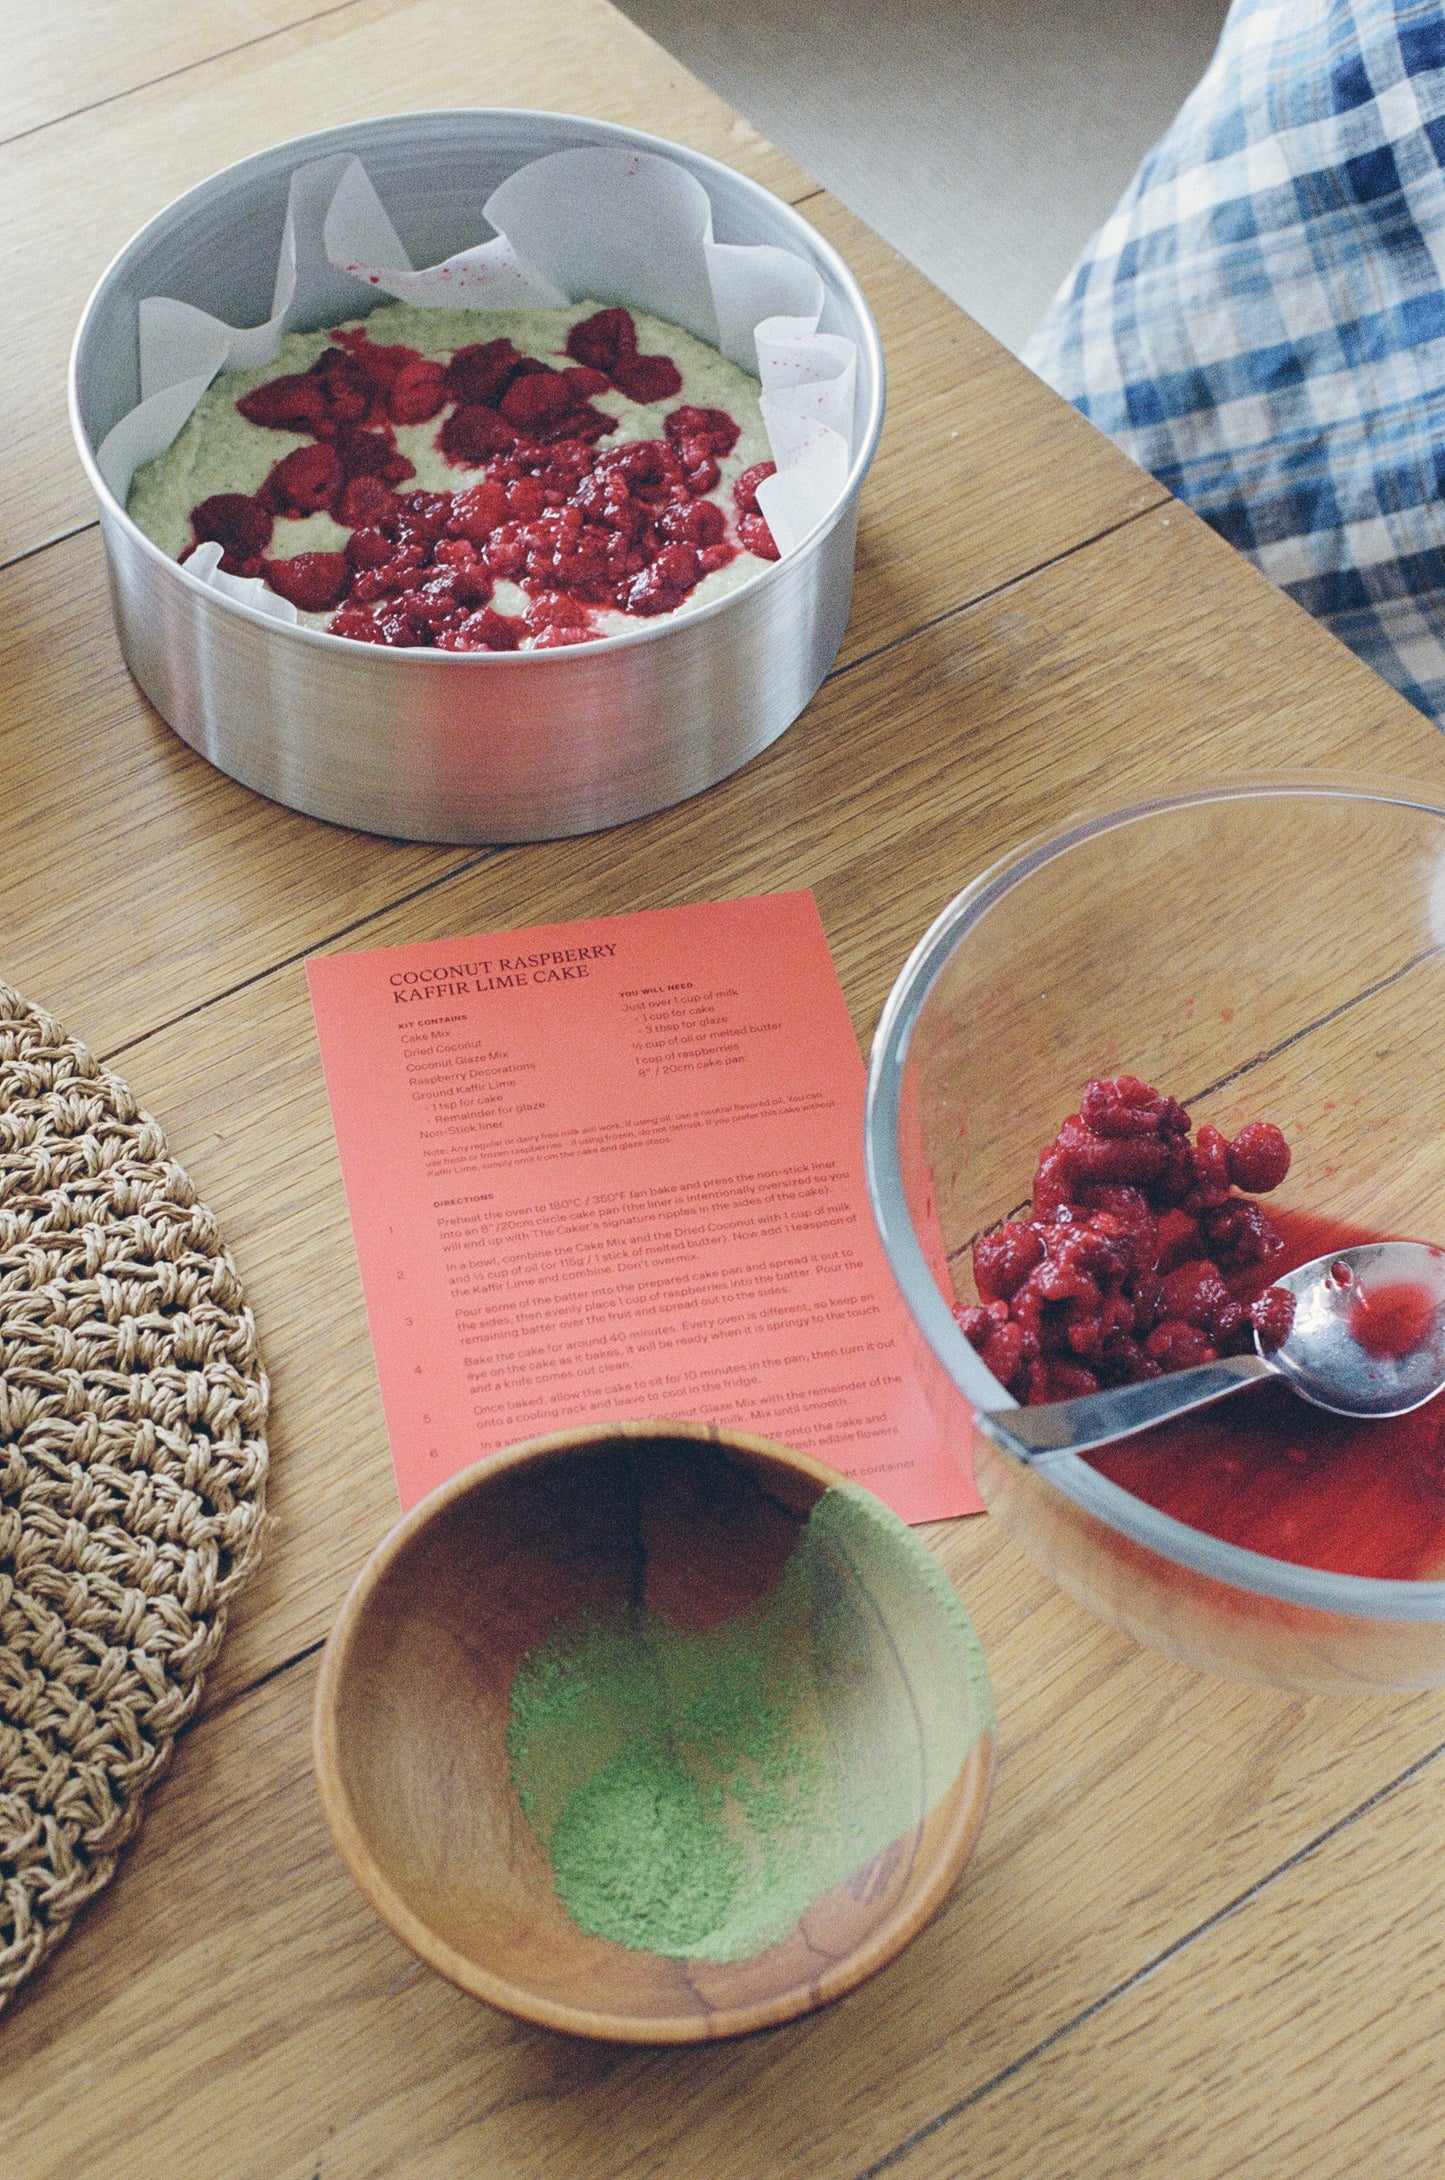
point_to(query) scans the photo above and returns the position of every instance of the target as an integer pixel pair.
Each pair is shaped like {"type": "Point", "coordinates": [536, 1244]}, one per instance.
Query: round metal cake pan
{"type": "Point", "coordinates": [430, 745]}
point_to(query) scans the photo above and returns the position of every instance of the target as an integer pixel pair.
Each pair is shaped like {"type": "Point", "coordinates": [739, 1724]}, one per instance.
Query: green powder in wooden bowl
{"type": "Point", "coordinates": [697, 1789]}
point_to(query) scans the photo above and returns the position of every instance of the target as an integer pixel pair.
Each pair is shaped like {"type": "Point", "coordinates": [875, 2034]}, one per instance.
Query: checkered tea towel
{"type": "Point", "coordinates": [1261, 322]}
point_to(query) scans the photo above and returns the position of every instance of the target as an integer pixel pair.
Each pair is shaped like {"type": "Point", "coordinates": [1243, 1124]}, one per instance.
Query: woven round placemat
{"type": "Point", "coordinates": [132, 1470]}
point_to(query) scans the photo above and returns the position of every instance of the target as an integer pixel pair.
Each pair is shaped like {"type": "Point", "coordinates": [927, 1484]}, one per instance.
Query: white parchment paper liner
{"type": "Point", "coordinates": [602, 223]}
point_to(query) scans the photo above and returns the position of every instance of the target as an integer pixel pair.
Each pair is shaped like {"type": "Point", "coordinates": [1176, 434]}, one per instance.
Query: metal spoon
{"type": "Point", "coordinates": [1322, 1359]}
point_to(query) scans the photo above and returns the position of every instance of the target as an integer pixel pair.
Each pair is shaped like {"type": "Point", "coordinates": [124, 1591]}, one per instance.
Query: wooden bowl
{"type": "Point", "coordinates": [715, 1543]}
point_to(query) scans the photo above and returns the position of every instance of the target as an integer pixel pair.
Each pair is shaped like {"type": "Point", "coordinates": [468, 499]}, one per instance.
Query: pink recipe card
{"type": "Point", "coordinates": [615, 1169]}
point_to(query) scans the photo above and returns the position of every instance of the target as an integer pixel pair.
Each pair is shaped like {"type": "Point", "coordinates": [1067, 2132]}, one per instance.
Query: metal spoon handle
{"type": "Point", "coordinates": [1096, 1419]}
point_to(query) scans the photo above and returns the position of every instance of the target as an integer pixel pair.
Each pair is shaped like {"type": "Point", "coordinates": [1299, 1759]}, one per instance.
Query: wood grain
{"type": "Point", "coordinates": [190, 883]}
{"type": "Point", "coordinates": [381, 56]}
{"type": "Point", "coordinates": [1303, 2034]}
{"type": "Point", "coordinates": [72, 55]}
{"type": "Point", "coordinates": [1188, 948]}
{"type": "Point", "coordinates": [1347, 1088]}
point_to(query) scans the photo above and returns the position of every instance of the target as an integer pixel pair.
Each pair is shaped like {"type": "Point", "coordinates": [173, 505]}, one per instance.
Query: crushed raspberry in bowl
{"type": "Point", "coordinates": [1144, 1253]}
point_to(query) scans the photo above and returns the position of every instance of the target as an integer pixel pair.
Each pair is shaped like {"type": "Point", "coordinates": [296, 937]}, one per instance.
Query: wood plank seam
{"type": "Point", "coordinates": [266, 37]}
{"type": "Point", "coordinates": [997, 590]}
{"type": "Point", "coordinates": [169, 75]}
{"type": "Point", "coordinates": [1256, 1060]}
{"type": "Point", "coordinates": [289, 961]}
{"type": "Point", "coordinates": [919, 2135]}
{"type": "Point", "coordinates": [61, 537]}
{"type": "Point", "coordinates": [218, 2016]}
{"type": "Point", "coordinates": [1260, 1059]}
{"type": "Point", "coordinates": [264, 1680]}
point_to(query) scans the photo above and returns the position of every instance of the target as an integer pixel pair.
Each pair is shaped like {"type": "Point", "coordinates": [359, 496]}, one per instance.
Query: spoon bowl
{"type": "Point", "coordinates": [1368, 1337]}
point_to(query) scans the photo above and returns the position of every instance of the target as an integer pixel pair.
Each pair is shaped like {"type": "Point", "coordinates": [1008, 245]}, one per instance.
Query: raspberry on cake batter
{"type": "Point", "coordinates": [551, 484]}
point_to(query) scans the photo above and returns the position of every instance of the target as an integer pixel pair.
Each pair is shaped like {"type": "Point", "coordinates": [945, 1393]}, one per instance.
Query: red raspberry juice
{"type": "Point", "coordinates": [1267, 1471]}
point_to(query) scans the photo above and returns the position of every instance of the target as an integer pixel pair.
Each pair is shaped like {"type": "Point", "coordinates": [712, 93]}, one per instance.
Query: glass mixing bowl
{"type": "Point", "coordinates": [1262, 952]}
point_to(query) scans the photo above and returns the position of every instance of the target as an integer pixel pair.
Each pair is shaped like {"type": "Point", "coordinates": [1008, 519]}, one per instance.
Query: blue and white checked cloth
{"type": "Point", "coordinates": [1261, 322]}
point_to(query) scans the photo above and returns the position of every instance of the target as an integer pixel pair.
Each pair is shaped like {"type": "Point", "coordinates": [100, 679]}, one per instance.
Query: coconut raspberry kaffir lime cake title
{"type": "Point", "coordinates": [475, 480]}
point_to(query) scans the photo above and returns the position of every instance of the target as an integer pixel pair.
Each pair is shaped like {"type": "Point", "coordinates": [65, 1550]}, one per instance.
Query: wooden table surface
{"type": "Point", "coordinates": [1200, 1936]}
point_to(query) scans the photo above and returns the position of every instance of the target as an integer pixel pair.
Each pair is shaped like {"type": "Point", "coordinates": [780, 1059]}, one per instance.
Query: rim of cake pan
{"type": "Point", "coordinates": [1356, 1596]}
{"type": "Point", "coordinates": [323, 141]}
